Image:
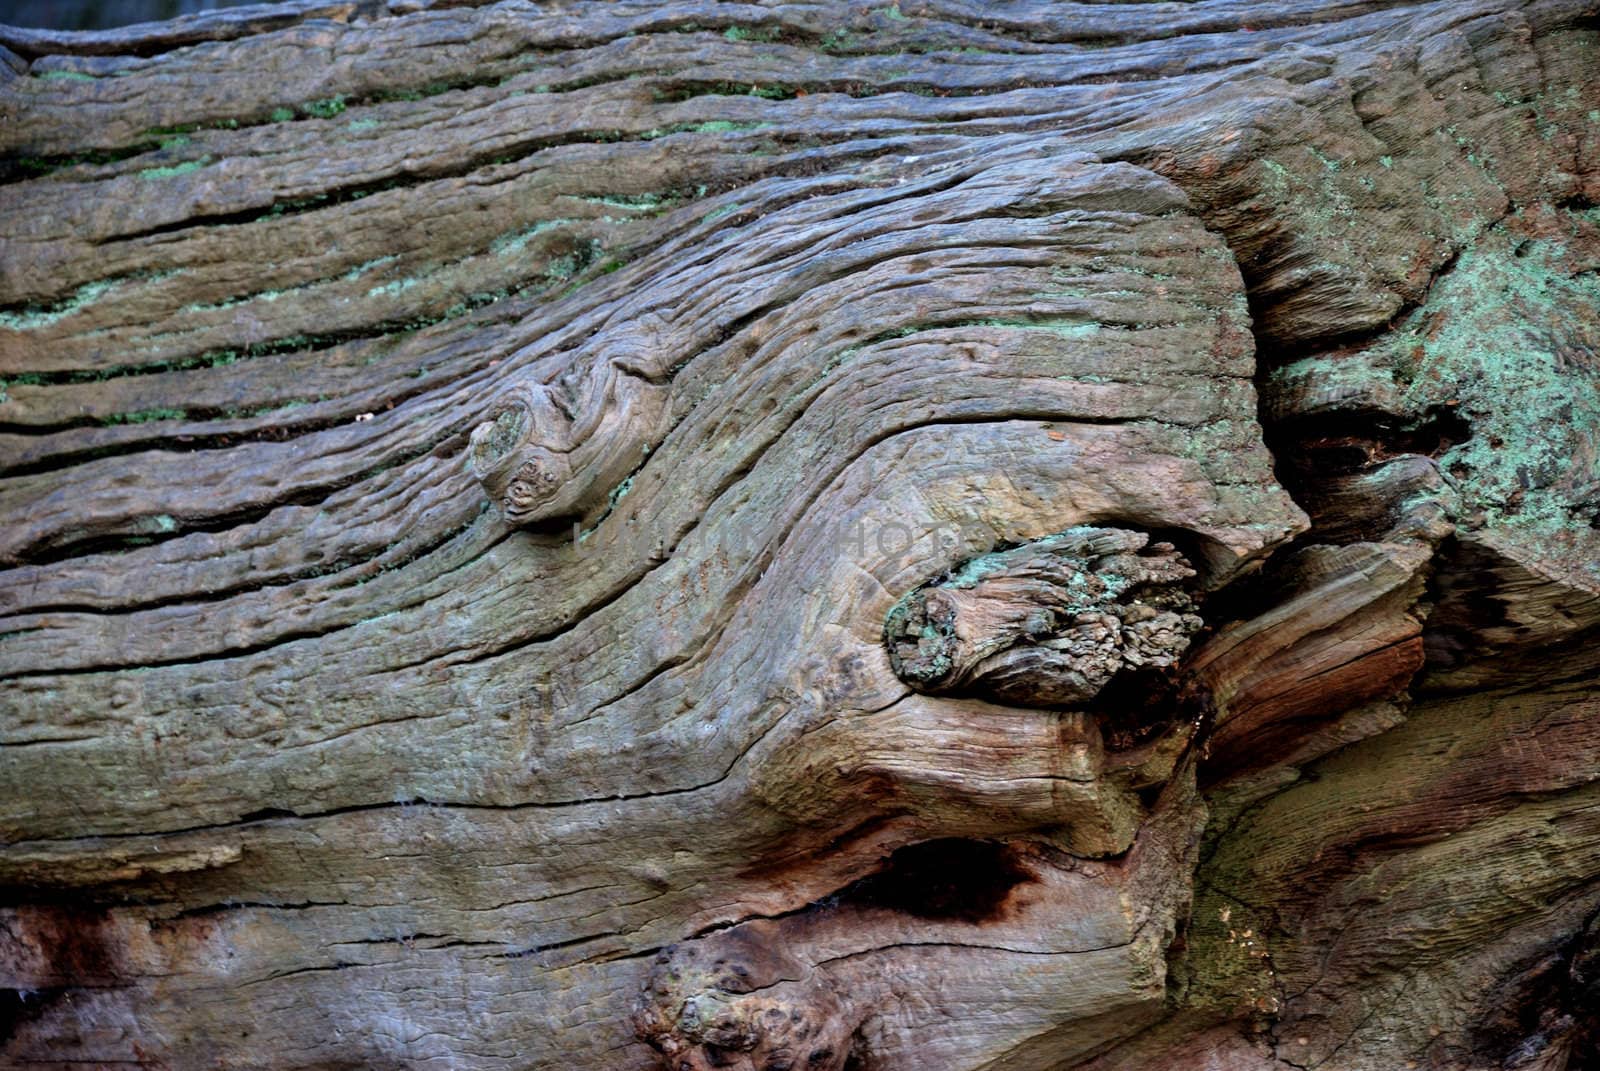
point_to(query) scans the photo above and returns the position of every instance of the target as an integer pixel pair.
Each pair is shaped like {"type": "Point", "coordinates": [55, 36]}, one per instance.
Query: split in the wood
{"type": "Point", "coordinates": [1048, 623]}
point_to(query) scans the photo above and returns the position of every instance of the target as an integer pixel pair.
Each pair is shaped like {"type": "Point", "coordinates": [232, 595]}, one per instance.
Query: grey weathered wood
{"type": "Point", "coordinates": [465, 470]}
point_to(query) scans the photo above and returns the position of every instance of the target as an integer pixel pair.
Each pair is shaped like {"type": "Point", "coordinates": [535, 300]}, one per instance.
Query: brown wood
{"type": "Point", "coordinates": [802, 536]}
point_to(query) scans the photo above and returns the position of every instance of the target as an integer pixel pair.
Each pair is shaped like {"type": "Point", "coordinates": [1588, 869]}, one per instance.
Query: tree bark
{"type": "Point", "coordinates": [802, 536]}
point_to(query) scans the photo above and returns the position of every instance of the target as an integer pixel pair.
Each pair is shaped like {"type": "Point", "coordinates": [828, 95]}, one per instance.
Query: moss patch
{"type": "Point", "coordinates": [184, 168]}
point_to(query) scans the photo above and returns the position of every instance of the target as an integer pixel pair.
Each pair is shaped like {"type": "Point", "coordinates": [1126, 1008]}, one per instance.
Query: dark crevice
{"type": "Point", "coordinates": [220, 594]}
{"type": "Point", "coordinates": [1139, 705]}
{"type": "Point", "coordinates": [166, 437]}
{"type": "Point", "coordinates": [949, 879]}
{"type": "Point", "coordinates": [158, 38]}
{"type": "Point", "coordinates": [245, 905]}
{"type": "Point", "coordinates": [517, 153]}
{"type": "Point", "coordinates": [50, 549]}
{"type": "Point", "coordinates": [1548, 1005]}
{"type": "Point", "coordinates": [17, 168]}
{"type": "Point", "coordinates": [20, 1007]}
{"type": "Point", "coordinates": [213, 358]}
{"type": "Point", "coordinates": [1352, 441]}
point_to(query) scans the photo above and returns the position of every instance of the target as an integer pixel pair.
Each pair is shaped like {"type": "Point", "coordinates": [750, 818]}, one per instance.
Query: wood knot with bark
{"type": "Point", "coordinates": [1048, 623]}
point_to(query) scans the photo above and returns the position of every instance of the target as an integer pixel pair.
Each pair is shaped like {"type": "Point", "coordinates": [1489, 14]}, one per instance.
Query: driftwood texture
{"type": "Point", "coordinates": [802, 536]}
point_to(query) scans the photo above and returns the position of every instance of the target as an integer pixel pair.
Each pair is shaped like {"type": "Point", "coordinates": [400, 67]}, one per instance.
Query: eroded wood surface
{"type": "Point", "coordinates": [466, 468]}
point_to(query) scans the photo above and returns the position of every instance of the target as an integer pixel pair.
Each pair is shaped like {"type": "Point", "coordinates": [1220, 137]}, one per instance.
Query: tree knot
{"type": "Point", "coordinates": [1048, 623]}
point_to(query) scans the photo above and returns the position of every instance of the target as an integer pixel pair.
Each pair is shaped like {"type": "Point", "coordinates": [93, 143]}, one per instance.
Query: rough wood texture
{"type": "Point", "coordinates": [802, 536]}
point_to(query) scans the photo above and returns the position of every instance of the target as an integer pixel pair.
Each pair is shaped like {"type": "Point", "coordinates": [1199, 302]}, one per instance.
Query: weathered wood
{"type": "Point", "coordinates": [802, 536]}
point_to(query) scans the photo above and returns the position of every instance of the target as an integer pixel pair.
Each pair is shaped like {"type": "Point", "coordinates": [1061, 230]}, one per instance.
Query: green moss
{"type": "Point", "coordinates": [326, 108]}
{"type": "Point", "coordinates": [144, 416]}
{"type": "Point", "coordinates": [718, 126]}
{"type": "Point", "coordinates": [838, 41]}
{"type": "Point", "coordinates": [743, 33]}
{"type": "Point", "coordinates": [187, 167]}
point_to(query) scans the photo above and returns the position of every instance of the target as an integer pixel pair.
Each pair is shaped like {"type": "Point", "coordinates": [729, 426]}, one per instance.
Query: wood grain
{"type": "Point", "coordinates": [460, 461]}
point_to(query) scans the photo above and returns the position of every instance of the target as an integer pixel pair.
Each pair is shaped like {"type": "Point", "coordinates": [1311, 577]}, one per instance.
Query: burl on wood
{"type": "Point", "coordinates": [802, 537]}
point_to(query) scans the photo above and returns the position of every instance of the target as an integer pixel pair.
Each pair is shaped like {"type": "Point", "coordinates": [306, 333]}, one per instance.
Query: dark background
{"type": "Point", "coordinates": [100, 14]}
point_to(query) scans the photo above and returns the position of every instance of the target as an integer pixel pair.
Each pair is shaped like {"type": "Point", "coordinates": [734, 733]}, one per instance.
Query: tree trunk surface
{"type": "Point", "coordinates": [802, 536]}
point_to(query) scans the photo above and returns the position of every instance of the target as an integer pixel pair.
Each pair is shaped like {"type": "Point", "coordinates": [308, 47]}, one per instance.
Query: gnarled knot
{"type": "Point", "coordinates": [1048, 623]}
{"type": "Point", "coordinates": [533, 483]}
{"type": "Point", "coordinates": [517, 456]}
{"type": "Point", "coordinates": [737, 1001]}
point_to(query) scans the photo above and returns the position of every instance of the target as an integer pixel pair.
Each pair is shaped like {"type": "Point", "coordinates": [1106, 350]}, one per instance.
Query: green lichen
{"type": "Point", "coordinates": [640, 202]}
{"type": "Point", "coordinates": [1498, 346]}
{"type": "Point", "coordinates": [512, 244]}
{"type": "Point", "coordinates": [1064, 327]}
{"type": "Point", "coordinates": [361, 269]}
{"type": "Point", "coordinates": [1493, 339]}
{"type": "Point", "coordinates": [36, 316]}
{"type": "Point", "coordinates": [1326, 161]}
{"type": "Point", "coordinates": [390, 289]}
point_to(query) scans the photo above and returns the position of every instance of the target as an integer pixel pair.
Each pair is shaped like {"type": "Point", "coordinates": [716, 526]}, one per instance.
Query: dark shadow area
{"type": "Point", "coordinates": [949, 878]}
{"type": "Point", "coordinates": [102, 14]}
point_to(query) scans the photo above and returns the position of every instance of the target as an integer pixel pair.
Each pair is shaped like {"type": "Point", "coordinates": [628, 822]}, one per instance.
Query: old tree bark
{"type": "Point", "coordinates": [803, 536]}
